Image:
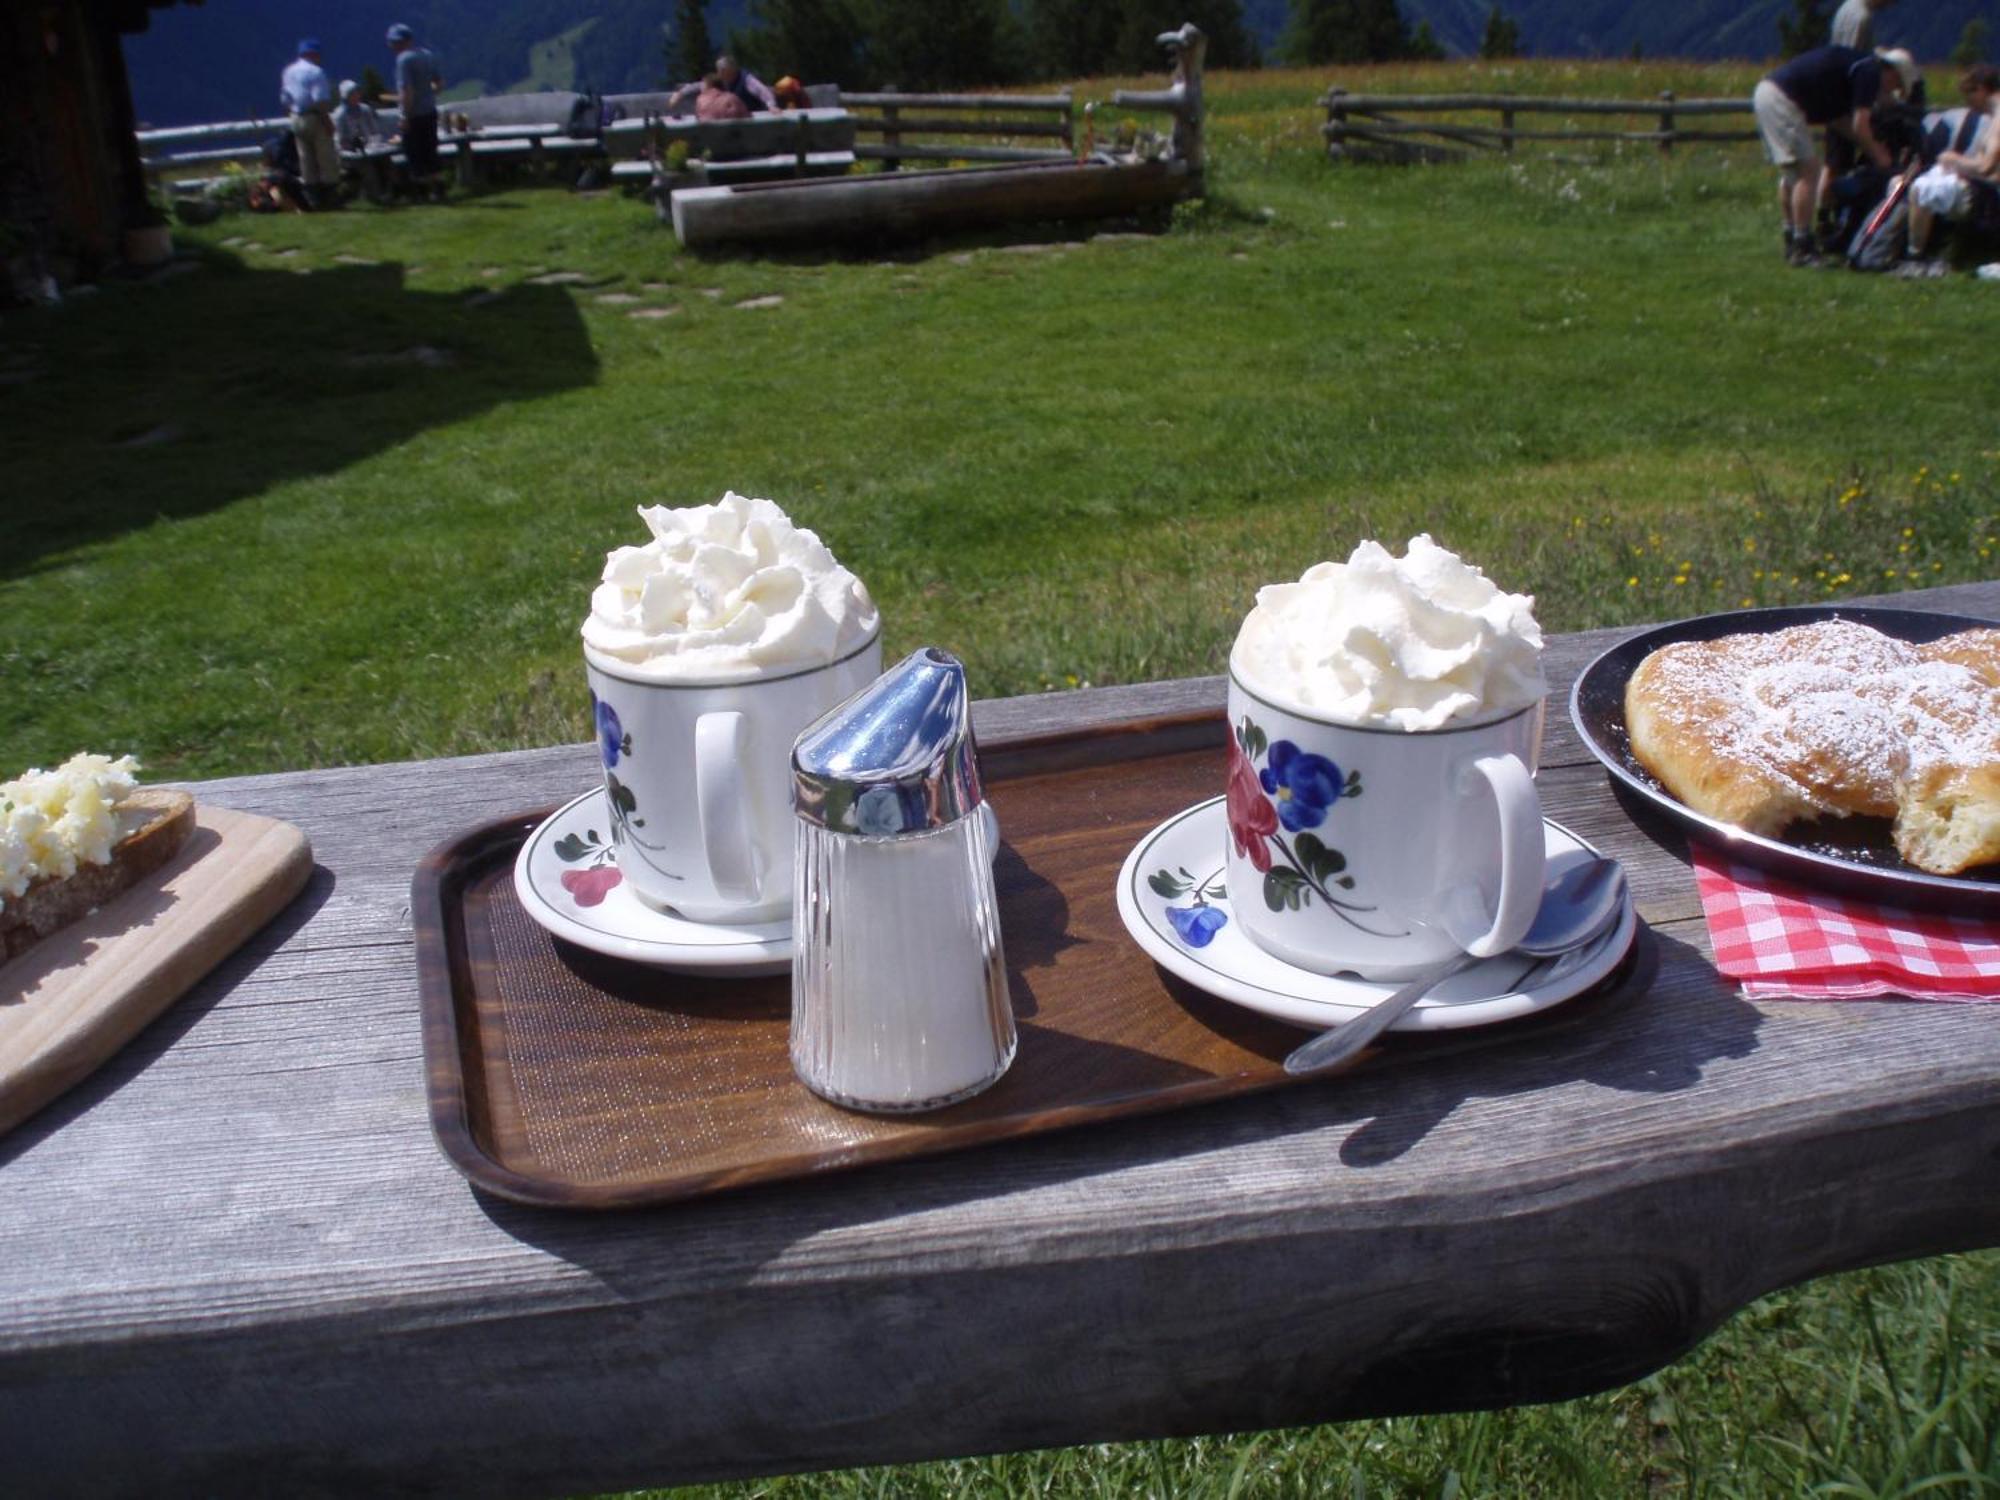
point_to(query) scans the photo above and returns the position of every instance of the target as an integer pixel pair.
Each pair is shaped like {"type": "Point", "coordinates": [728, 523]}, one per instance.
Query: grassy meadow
{"type": "Point", "coordinates": [335, 490]}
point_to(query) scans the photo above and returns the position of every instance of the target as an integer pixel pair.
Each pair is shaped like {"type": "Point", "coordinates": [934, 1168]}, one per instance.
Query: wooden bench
{"type": "Point", "coordinates": [764, 147]}
{"type": "Point", "coordinates": [238, 1263]}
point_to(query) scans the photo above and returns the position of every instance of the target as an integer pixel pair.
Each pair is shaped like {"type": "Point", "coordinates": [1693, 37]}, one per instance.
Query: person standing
{"type": "Point", "coordinates": [1832, 86]}
{"type": "Point", "coordinates": [417, 85]}
{"type": "Point", "coordinates": [307, 94]}
{"type": "Point", "coordinates": [1854, 23]}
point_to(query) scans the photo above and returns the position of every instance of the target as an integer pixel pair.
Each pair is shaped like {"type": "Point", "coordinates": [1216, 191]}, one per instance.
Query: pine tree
{"type": "Point", "coordinates": [690, 49]}
{"type": "Point", "coordinates": [1972, 43]}
{"type": "Point", "coordinates": [1332, 31]}
{"type": "Point", "coordinates": [816, 40]}
{"type": "Point", "coordinates": [1071, 38]}
{"type": "Point", "coordinates": [372, 86]}
{"type": "Point", "coordinates": [1502, 37]}
{"type": "Point", "coordinates": [1424, 45]}
{"type": "Point", "coordinates": [1230, 44]}
{"type": "Point", "coordinates": [1804, 29]}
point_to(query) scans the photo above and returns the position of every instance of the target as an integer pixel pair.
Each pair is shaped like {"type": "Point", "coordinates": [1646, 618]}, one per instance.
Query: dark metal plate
{"type": "Point", "coordinates": [1851, 856]}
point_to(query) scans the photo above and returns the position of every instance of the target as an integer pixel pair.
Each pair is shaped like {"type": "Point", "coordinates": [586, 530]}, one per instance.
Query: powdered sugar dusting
{"type": "Point", "coordinates": [1842, 715]}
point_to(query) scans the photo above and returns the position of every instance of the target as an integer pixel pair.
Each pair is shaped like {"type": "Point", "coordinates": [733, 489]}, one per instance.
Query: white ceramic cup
{"type": "Point", "coordinates": [699, 779]}
{"type": "Point", "coordinates": [1379, 851]}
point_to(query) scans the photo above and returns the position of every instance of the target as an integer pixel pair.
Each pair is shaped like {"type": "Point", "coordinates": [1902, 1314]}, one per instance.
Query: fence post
{"type": "Point", "coordinates": [890, 135]}
{"type": "Point", "coordinates": [1507, 131]}
{"type": "Point", "coordinates": [1336, 119]}
{"type": "Point", "coordinates": [1667, 122]}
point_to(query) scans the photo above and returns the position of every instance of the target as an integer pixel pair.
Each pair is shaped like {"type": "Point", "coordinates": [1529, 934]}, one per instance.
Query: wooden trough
{"type": "Point", "coordinates": [916, 205]}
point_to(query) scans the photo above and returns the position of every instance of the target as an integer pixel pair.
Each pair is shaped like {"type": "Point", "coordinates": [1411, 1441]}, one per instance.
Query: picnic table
{"type": "Point", "coordinates": [234, 1261]}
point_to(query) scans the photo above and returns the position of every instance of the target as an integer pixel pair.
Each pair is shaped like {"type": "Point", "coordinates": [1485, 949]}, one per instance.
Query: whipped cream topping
{"type": "Point", "coordinates": [1409, 642]}
{"type": "Point", "coordinates": [727, 590]}
{"type": "Point", "coordinates": [53, 821]}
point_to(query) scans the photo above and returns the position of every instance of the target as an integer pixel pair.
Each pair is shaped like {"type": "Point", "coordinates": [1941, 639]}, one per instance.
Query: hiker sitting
{"type": "Point", "coordinates": [356, 124]}
{"type": "Point", "coordinates": [750, 90]}
{"type": "Point", "coordinates": [716, 102]}
{"type": "Point", "coordinates": [1963, 184]}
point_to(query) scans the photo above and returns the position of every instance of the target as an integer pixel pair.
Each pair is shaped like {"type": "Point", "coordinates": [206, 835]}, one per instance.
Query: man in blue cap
{"type": "Point", "coordinates": [307, 94]}
{"type": "Point", "coordinates": [417, 85]}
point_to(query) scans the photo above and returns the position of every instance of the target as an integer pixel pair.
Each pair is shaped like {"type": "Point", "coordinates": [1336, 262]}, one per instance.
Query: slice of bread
{"type": "Point", "coordinates": [159, 823]}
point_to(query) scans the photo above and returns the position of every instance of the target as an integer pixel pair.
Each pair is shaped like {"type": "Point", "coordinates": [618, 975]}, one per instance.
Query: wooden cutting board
{"type": "Point", "coordinates": [80, 994]}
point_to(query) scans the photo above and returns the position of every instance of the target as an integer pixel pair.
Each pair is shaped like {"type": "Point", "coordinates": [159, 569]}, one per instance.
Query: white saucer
{"type": "Point", "coordinates": [1188, 848]}
{"type": "Point", "coordinates": [618, 923]}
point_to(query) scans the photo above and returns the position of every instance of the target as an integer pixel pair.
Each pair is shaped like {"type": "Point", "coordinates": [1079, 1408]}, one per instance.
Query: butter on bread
{"type": "Point", "coordinates": [1831, 719]}
{"type": "Point", "coordinates": [154, 823]}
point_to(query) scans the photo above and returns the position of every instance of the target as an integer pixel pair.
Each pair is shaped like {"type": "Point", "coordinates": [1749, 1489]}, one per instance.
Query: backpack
{"type": "Point", "coordinates": [1879, 243]}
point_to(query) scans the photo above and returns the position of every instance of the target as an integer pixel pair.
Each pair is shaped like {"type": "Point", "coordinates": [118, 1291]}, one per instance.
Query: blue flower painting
{"type": "Point", "coordinates": [1303, 785]}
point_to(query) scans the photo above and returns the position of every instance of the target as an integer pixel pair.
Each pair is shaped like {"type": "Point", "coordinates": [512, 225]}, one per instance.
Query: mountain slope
{"type": "Point", "coordinates": [221, 60]}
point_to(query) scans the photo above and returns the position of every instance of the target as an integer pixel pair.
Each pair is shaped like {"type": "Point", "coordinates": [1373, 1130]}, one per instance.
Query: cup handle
{"type": "Point", "coordinates": [721, 747]}
{"type": "Point", "coordinates": [1522, 853]}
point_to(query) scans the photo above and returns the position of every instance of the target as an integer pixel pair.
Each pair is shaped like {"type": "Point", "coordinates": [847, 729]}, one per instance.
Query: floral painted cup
{"type": "Point", "coordinates": [698, 779]}
{"type": "Point", "coordinates": [1378, 851]}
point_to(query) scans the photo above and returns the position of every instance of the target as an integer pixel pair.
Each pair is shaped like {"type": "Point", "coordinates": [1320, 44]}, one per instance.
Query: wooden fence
{"type": "Point", "coordinates": [1374, 123]}
{"type": "Point", "coordinates": [896, 117]}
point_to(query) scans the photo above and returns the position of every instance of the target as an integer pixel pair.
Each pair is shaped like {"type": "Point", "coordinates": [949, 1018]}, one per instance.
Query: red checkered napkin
{"type": "Point", "coordinates": [1781, 941]}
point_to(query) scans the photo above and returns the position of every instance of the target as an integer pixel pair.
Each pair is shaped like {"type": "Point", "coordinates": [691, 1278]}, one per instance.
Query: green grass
{"type": "Point", "coordinates": [288, 510]}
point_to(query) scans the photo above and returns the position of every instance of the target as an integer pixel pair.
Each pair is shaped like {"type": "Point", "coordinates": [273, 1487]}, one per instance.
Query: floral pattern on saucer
{"type": "Point", "coordinates": [568, 880]}
{"type": "Point", "coordinates": [1182, 922]}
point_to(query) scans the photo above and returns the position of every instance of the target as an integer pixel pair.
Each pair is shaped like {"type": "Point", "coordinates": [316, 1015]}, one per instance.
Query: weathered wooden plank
{"type": "Point", "coordinates": [235, 1262]}
{"type": "Point", "coordinates": [1527, 104]}
{"type": "Point", "coordinates": [1045, 102]}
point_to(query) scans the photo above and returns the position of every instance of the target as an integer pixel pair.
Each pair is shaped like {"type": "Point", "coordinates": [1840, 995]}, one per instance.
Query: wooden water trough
{"type": "Point", "coordinates": [916, 205]}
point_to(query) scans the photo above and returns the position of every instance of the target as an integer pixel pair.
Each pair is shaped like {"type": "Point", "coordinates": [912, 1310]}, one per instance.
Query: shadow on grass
{"type": "Point", "coordinates": [172, 398]}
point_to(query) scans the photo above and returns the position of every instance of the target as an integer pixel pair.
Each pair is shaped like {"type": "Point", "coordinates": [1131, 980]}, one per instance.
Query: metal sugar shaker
{"type": "Point", "coordinates": [899, 985]}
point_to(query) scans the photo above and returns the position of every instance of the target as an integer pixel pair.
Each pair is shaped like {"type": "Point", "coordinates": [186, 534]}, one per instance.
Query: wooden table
{"type": "Point", "coordinates": [235, 1261]}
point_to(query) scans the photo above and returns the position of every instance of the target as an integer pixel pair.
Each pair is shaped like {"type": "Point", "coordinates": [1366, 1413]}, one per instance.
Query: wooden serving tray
{"type": "Point", "coordinates": [565, 1078]}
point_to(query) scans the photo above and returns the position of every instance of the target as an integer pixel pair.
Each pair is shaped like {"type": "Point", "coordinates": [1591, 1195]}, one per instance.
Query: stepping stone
{"type": "Point", "coordinates": [558, 278]}
{"type": "Point", "coordinates": [656, 286]}
{"type": "Point", "coordinates": [963, 258]}
{"type": "Point", "coordinates": [653, 312]}
{"type": "Point", "coordinates": [287, 254]}
{"type": "Point", "coordinates": [759, 302]}
{"type": "Point", "coordinates": [483, 299]}
{"type": "Point", "coordinates": [1336, 223]}
{"type": "Point", "coordinates": [711, 291]}
{"type": "Point", "coordinates": [1120, 238]}
{"type": "Point", "coordinates": [490, 272]}
{"type": "Point", "coordinates": [250, 245]}
{"type": "Point", "coordinates": [1031, 249]}
{"type": "Point", "coordinates": [1239, 255]}
{"type": "Point", "coordinates": [233, 241]}
{"type": "Point", "coordinates": [618, 299]}
{"type": "Point", "coordinates": [354, 260]}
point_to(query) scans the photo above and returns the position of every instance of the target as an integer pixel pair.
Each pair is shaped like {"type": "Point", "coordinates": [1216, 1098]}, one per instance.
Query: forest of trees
{"type": "Point", "coordinates": [916, 44]}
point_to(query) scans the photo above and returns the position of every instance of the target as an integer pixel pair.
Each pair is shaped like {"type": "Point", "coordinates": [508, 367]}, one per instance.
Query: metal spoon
{"type": "Point", "coordinates": [1579, 906]}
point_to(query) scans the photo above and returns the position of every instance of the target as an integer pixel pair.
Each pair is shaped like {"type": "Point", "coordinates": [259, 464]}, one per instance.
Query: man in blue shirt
{"type": "Point", "coordinates": [417, 85]}
{"type": "Point", "coordinates": [1832, 86]}
{"type": "Point", "coordinates": [307, 94]}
